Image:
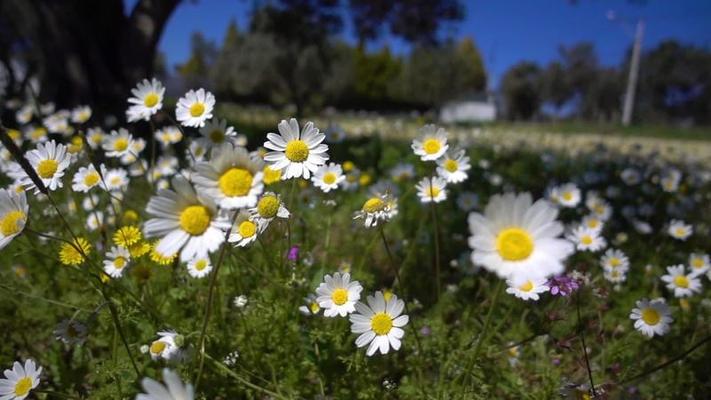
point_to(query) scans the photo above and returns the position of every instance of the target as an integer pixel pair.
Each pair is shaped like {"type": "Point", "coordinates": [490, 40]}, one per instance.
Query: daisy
{"type": "Point", "coordinates": [698, 263]}
{"type": "Point", "coordinates": [81, 114]}
{"type": "Point", "coordinates": [86, 178]}
{"type": "Point", "coordinates": [296, 154]}
{"type": "Point", "coordinates": [527, 289]}
{"type": "Point", "coordinates": [679, 230]}
{"type": "Point", "coordinates": [231, 178]}
{"type": "Point", "coordinates": [195, 108]}
{"type": "Point", "coordinates": [74, 253]}
{"type": "Point", "coordinates": [682, 284]}
{"type": "Point", "coordinates": [244, 231]}
{"type": "Point", "coordinates": [165, 347]}
{"type": "Point", "coordinates": [328, 177]}
{"type": "Point", "coordinates": [115, 179]}
{"type": "Point", "coordinates": [268, 207]}
{"type": "Point", "coordinates": [593, 222]}
{"type": "Point", "coordinates": [588, 239]}
{"type": "Point", "coordinates": [631, 176]}
{"type": "Point", "coordinates": [173, 390]}
{"type": "Point", "coordinates": [432, 189]}
{"type": "Point", "coordinates": [338, 295]}
{"type": "Point", "coordinates": [670, 180]}
{"type": "Point", "coordinates": [95, 137]}
{"type": "Point", "coordinates": [118, 143]}
{"type": "Point", "coordinates": [379, 323]}
{"type": "Point", "coordinates": [515, 238]}
{"type": "Point", "coordinates": [70, 332]}
{"type": "Point", "coordinates": [431, 144]}
{"type": "Point", "coordinates": [567, 195]}
{"type": "Point", "coordinates": [147, 100]}
{"type": "Point", "coordinates": [453, 166]}
{"type": "Point", "coordinates": [377, 209]}
{"type": "Point", "coordinates": [19, 380]}
{"type": "Point", "coordinates": [311, 306]}
{"type": "Point", "coordinates": [116, 261]}
{"type": "Point", "coordinates": [402, 172]}
{"type": "Point", "coordinates": [615, 275]}
{"type": "Point", "coordinates": [600, 208]}
{"type": "Point", "coordinates": [49, 161]}
{"type": "Point", "coordinates": [13, 215]}
{"type": "Point", "coordinates": [199, 267]}
{"type": "Point", "coordinates": [184, 220]}
{"type": "Point", "coordinates": [94, 220]}
{"type": "Point", "coordinates": [135, 148]}
{"type": "Point", "coordinates": [217, 131]}
{"type": "Point", "coordinates": [37, 134]}
{"type": "Point", "coordinates": [652, 317]}
{"type": "Point", "coordinates": [467, 201]}
{"type": "Point", "coordinates": [613, 259]}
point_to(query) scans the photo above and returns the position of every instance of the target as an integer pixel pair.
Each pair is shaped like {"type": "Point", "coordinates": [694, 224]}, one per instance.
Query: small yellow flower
{"type": "Point", "coordinates": [365, 180]}
{"type": "Point", "coordinates": [139, 249]}
{"type": "Point", "coordinates": [130, 216]}
{"type": "Point", "coordinates": [127, 236]}
{"type": "Point", "coordinates": [348, 166]}
{"type": "Point", "coordinates": [76, 145]}
{"type": "Point", "coordinates": [70, 254]}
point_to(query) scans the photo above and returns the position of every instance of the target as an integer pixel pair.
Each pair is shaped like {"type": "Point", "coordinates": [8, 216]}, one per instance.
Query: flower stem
{"type": "Point", "coordinates": [581, 333]}
{"type": "Point", "coordinates": [436, 248]}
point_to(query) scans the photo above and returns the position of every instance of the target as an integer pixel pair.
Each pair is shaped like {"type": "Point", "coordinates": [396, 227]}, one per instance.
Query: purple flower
{"type": "Point", "coordinates": [293, 254]}
{"type": "Point", "coordinates": [563, 285]}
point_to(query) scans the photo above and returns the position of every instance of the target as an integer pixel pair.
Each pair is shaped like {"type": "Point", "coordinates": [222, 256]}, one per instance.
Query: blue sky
{"type": "Point", "coordinates": [506, 31]}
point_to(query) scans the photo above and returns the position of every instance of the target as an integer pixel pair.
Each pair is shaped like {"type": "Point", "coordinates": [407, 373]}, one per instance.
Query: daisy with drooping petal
{"type": "Point", "coordinates": [682, 284]}
{"type": "Point", "coordinates": [70, 332]}
{"type": "Point", "coordinates": [86, 178]}
{"type": "Point", "coordinates": [173, 389]}
{"type": "Point", "coordinates": [19, 380]}
{"type": "Point", "coordinates": [652, 317]}
{"type": "Point", "coordinates": [337, 295]}
{"type": "Point", "coordinates": [147, 100]}
{"type": "Point", "coordinates": [165, 347]}
{"type": "Point", "coordinates": [328, 177]}
{"type": "Point", "coordinates": [698, 263]}
{"type": "Point", "coordinates": [184, 220]}
{"type": "Point", "coordinates": [49, 161]}
{"type": "Point", "coordinates": [377, 209]}
{"type": "Point", "coordinates": [432, 189]}
{"type": "Point", "coordinates": [453, 166]}
{"type": "Point", "coordinates": [567, 195]}
{"type": "Point", "coordinates": [614, 258]}
{"type": "Point", "coordinates": [195, 108]}
{"type": "Point", "coordinates": [13, 215]}
{"type": "Point", "coordinates": [74, 253]}
{"type": "Point", "coordinates": [116, 261]}
{"type": "Point", "coordinates": [199, 267]}
{"type": "Point", "coordinates": [588, 239]}
{"type": "Point", "coordinates": [311, 306]}
{"type": "Point", "coordinates": [679, 230]}
{"type": "Point", "coordinates": [379, 323]}
{"type": "Point", "coordinates": [118, 143]}
{"type": "Point", "coordinates": [217, 132]}
{"type": "Point", "coordinates": [431, 144]}
{"type": "Point", "coordinates": [231, 178]}
{"type": "Point", "coordinates": [296, 154]}
{"type": "Point", "coordinates": [244, 231]}
{"type": "Point", "coordinates": [268, 207]}
{"type": "Point", "coordinates": [518, 239]}
{"type": "Point", "coordinates": [527, 289]}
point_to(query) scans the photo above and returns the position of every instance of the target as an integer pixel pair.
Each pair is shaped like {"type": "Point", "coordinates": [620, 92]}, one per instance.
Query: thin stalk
{"type": "Point", "coordinates": [436, 245]}
{"type": "Point", "coordinates": [581, 333]}
{"type": "Point", "coordinates": [485, 330]}
{"type": "Point", "coordinates": [244, 381]}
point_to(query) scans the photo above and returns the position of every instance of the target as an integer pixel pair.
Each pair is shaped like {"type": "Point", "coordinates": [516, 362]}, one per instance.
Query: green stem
{"type": "Point", "coordinates": [436, 246]}
{"type": "Point", "coordinates": [581, 333]}
{"type": "Point", "coordinates": [244, 381]}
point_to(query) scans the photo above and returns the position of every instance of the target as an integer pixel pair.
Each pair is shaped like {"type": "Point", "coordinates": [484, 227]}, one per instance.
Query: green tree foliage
{"type": "Point", "coordinates": [202, 58]}
{"type": "Point", "coordinates": [520, 88]}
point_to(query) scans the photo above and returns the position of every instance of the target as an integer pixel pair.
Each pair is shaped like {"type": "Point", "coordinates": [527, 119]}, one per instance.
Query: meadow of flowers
{"type": "Point", "coordinates": [168, 255]}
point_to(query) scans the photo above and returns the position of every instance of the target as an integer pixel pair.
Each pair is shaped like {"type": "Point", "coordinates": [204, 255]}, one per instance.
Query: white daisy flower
{"type": "Point", "coordinates": [268, 207]}
{"type": "Point", "coordinates": [670, 180]}
{"type": "Point", "coordinates": [379, 323]}
{"type": "Point", "coordinates": [453, 166]}
{"type": "Point", "coordinates": [173, 389]}
{"type": "Point", "coordinates": [165, 347]}
{"type": "Point", "coordinates": [652, 317]}
{"type": "Point", "coordinates": [70, 332]}
{"type": "Point", "coordinates": [115, 179]}
{"type": "Point", "coordinates": [199, 267]}
{"type": "Point", "coordinates": [467, 201]}
{"type": "Point", "coordinates": [337, 295]}
{"type": "Point", "coordinates": [376, 209]}
{"type": "Point", "coordinates": [118, 144]}
{"type": "Point", "coordinates": [147, 100]}
{"type": "Point", "coordinates": [184, 220]}
{"type": "Point", "coordinates": [593, 222]}
{"type": "Point", "coordinates": [135, 149]}
{"type": "Point", "coordinates": [94, 220]}
{"type": "Point", "coordinates": [232, 178]}
{"type": "Point", "coordinates": [86, 178]}
{"type": "Point", "coordinates": [95, 137]}
{"type": "Point", "coordinates": [631, 176]}
{"type": "Point", "coordinates": [245, 230]}
{"type": "Point", "coordinates": [682, 284]}
{"type": "Point", "coordinates": [699, 263]}
{"type": "Point", "coordinates": [613, 259]}
{"type": "Point", "coordinates": [431, 143]}
{"type": "Point", "coordinates": [217, 132]}
{"type": "Point", "coordinates": [527, 289]}
{"type": "Point", "coordinates": [679, 230]}
{"type": "Point", "coordinates": [587, 239]}
{"type": "Point", "coordinates": [311, 306]}
{"type": "Point", "coordinates": [197, 150]}
{"type": "Point", "coordinates": [615, 275]}
{"type": "Point", "coordinates": [517, 239]}
{"type": "Point", "coordinates": [567, 195]}
{"type": "Point", "coordinates": [13, 215]}
{"type": "Point", "coordinates": [19, 380]}
{"type": "Point", "coordinates": [37, 134]}
{"type": "Point", "coordinates": [402, 172]}
{"type": "Point", "coordinates": [432, 189]}
{"type": "Point", "coordinates": [296, 154]}
{"type": "Point", "coordinates": [81, 114]}
{"type": "Point", "coordinates": [49, 161]}
{"type": "Point", "coordinates": [328, 177]}
{"type": "Point", "coordinates": [116, 261]}
{"type": "Point", "coordinates": [24, 114]}
{"type": "Point", "coordinates": [195, 108]}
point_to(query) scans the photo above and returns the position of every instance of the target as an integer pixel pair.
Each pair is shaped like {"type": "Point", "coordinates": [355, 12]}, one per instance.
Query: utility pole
{"type": "Point", "coordinates": [633, 73]}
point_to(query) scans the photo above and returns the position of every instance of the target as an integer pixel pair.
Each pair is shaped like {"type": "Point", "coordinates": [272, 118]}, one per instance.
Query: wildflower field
{"type": "Point", "coordinates": [172, 256]}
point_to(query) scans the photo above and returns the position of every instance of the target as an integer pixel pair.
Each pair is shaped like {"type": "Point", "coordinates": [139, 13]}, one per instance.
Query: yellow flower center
{"type": "Point", "coordinates": [434, 191]}
{"type": "Point", "coordinates": [526, 287]}
{"type": "Point", "coordinates": [235, 182]}
{"type": "Point", "coordinates": [120, 262]}
{"type": "Point", "coordinates": [314, 307]}
{"type": "Point", "coordinates": [195, 219]}
{"type": "Point", "coordinates": [47, 168]}
{"type": "Point", "coordinates": [697, 263]}
{"type": "Point", "coordinates": [567, 196]}
{"type": "Point", "coordinates": [38, 133]}
{"type": "Point", "coordinates": [271, 175]}
{"type": "Point", "coordinates": [14, 134]}
{"type": "Point", "coordinates": [91, 178]}
{"type": "Point", "coordinates": [217, 136]}
{"type": "Point", "coordinates": [268, 206]}
{"type": "Point", "coordinates": [431, 146]}
{"type": "Point", "coordinates": [451, 165]}
{"type": "Point", "coordinates": [121, 144]}
{"type": "Point", "coordinates": [201, 264]}
{"type": "Point", "coordinates": [387, 295]}
{"type": "Point", "coordinates": [339, 296]}
{"type": "Point", "coordinates": [247, 229]}
{"type": "Point", "coordinates": [348, 165]}
{"type": "Point", "coordinates": [10, 222]}
{"type": "Point", "coordinates": [381, 323]}
{"type": "Point", "coordinates": [680, 231]}
{"type": "Point", "coordinates": [151, 99]}
{"type": "Point", "coordinates": [651, 316]}
{"type": "Point", "coordinates": [373, 205]}
{"type": "Point", "coordinates": [681, 281]}
{"type": "Point", "coordinates": [297, 151]}
{"type": "Point", "coordinates": [23, 386]}
{"type": "Point", "coordinates": [593, 223]}
{"type": "Point", "coordinates": [157, 347]}
{"type": "Point", "coordinates": [586, 240]}
{"type": "Point", "coordinates": [197, 109]}
{"type": "Point", "coordinates": [70, 254]}
{"type": "Point", "coordinates": [329, 178]}
{"type": "Point", "coordinates": [615, 262]}
{"type": "Point", "coordinates": [116, 180]}
{"type": "Point", "coordinates": [514, 244]}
